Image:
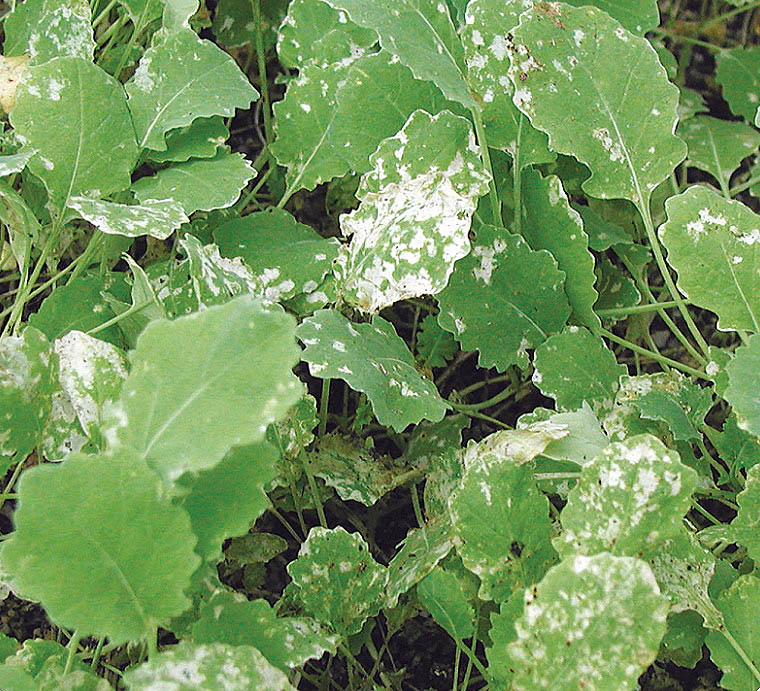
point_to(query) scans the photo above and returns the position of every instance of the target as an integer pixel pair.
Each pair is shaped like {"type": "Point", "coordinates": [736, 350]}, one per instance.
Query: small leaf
{"type": "Point", "coordinates": [159, 219]}
{"type": "Point", "coordinates": [503, 299]}
{"type": "Point", "coordinates": [576, 366]}
{"type": "Point", "coordinates": [435, 347]}
{"type": "Point", "coordinates": [742, 392]}
{"type": "Point", "coordinates": [285, 642]}
{"type": "Point", "coordinates": [738, 72]}
{"type": "Point", "coordinates": [632, 497]}
{"type": "Point", "coordinates": [179, 79]}
{"type": "Point", "coordinates": [128, 562]}
{"type": "Point", "coordinates": [617, 619]}
{"type": "Point", "coordinates": [338, 581]}
{"type": "Point", "coordinates": [441, 594]}
{"type": "Point", "coordinates": [198, 185]}
{"type": "Point", "coordinates": [744, 527]}
{"type": "Point", "coordinates": [204, 383]}
{"type": "Point", "coordinates": [414, 217]}
{"type": "Point", "coordinates": [713, 245]}
{"type": "Point", "coordinates": [374, 360]}
{"type": "Point", "coordinates": [624, 132]}
{"type": "Point", "coordinates": [202, 138]}
{"type": "Point", "coordinates": [189, 667]}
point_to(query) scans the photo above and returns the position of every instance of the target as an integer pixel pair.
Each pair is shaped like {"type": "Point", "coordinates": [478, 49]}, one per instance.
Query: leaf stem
{"type": "Point", "coordinates": [263, 79]}
{"type": "Point", "coordinates": [517, 179]}
{"type": "Point", "coordinates": [72, 647]}
{"type": "Point", "coordinates": [636, 309]}
{"type": "Point", "coordinates": [417, 508]}
{"type": "Point", "coordinates": [119, 317]}
{"type": "Point", "coordinates": [483, 144]}
{"type": "Point", "coordinates": [503, 395]}
{"type": "Point", "coordinates": [475, 661]}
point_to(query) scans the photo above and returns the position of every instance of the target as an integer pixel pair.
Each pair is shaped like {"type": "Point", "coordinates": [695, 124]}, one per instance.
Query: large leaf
{"type": "Point", "coordinates": [415, 212]}
{"type": "Point", "coordinates": [158, 219]}
{"type": "Point", "coordinates": [550, 223]}
{"type": "Point", "coordinates": [339, 583]}
{"type": "Point", "coordinates": [619, 122]}
{"type": "Point", "coordinates": [738, 72]}
{"type": "Point", "coordinates": [713, 245]}
{"type": "Point", "coordinates": [372, 359]}
{"type": "Point", "coordinates": [503, 299]}
{"type": "Point", "coordinates": [604, 609]}
{"type": "Point", "coordinates": [75, 116]}
{"type": "Point", "coordinates": [204, 383]}
{"type": "Point", "coordinates": [743, 392]}
{"type": "Point", "coordinates": [638, 16]}
{"type": "Point", "coordinates": [628, 499]}
{"type": "Point", "coordinates": [127, 562]}
{"type": "Point", "coordinates": [421, 34]}
{"type": "Point", "coordinates": [179, 79]}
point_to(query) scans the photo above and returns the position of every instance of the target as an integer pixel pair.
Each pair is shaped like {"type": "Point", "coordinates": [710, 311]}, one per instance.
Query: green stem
{"type": "Point", "coordinates": [104, 13]}
{"type": "Point", "coordinates": [262, 65]}
{"type": "Point", "coordinates": [457, 658]}
{"type": "Point", "coordinates": [737, 189]}
{"type": "Point", "coordinates": [652, 355]}
{"type": "Point", "coordinates": [680, 38]}
{"type": "Point", "coordinates": [480, 384]}
{"type": "Point", "coordinates": [478, 664]}
{"type": "Point", "coordinates": [473, 646]}
{"type": "Point", "coordinates": [517, 179]}
{"type": "Point", "coordinates": [480, 132]}
{"type": "Point", "coordinates": [636, 309]}
{"type": "Point", "coordinates": [97, 653]}
{"type": "Point", "coordinates": [316, 498]}
{"type": "Point", "coordinates": [119, 317]}
{"type": "Point", "coordinates": [153, 644]}
{"type": "Point", "coordinates": [727, 15]}
{"type": "Point", "coordinates": [417, 508]}
{"type": "Point", "coordinates": [498, 398]}
{"type": "Point", "coordinates": [72, 647]}
{"type": "Point", "coordinates": [323, 406]}
{"type": "Point", "coordinates": [273, 510]}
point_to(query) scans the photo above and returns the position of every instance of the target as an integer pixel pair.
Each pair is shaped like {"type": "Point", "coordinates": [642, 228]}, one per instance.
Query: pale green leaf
{"type": "Point", "coordinates": [738, 606]}
{"type": "Point", "coordinates": [718, 146]}
{"type": "Point", "coordinates": [638, 16]}
{"type": "Point", "coordinates": [372, 359]}
{"type": "Point", "coordinates": [713, 245]}
{"type": "Point", "coordinates": [628, 499]}
{"type": "Point", "coordinates": [15, 163]}
{"type": "Point", "coordinates": [159, 219]}
{"type": "Point", "coordinates": [202, 138]}
{"type": "Point", "coordinates": [179, 79]}
{"type": "Point", "coordinates": [624, 118]}
{"type": "Point", "coordinates": [441, 593]}
{"type": "Point", "coordinates": [285, 642]}
{"type": "Point", "coordinates": [47, 29]}
{"type": "Point", "coordinates": [420, 551]}
{"type": "Point", "coordinates": [198, 185]}
{"type": "Point", "coordinates": [312, 31]}
{"type": "Point", "coordinates": [487, 23]}
{"type": "Point", "coordinates": [295, 431]}
{"type": "Point", "coordinates": [415, 213]}
{"type": "Point", "coordinates": [190, 667]}
{"type": "Point", "coordinates": [421, 34]}
{"type": "Point", "coordinates": [616, 289]}
{"type": "Point", "coordinates": [502, 525]}
{"type": "Point", "coordinates": [575, 366]}
{"type": "Point", "coordinates": [318, 134]}
{"type": "Point", "coordinates": [285, 257]}
{"type": "Point", "coordinates": [204, 383]}
{"type": "Point", "coordinates": [550, 223]}
{"type": "Point", "coordinates": [503, 299]}
{"type": "Point", "coordinates": [127, 562]}
{"type": "Point", "coordinates": [20, 222]}
{"type": "Point", "coordinates": [690, 104]}
{"type": "Point", "coordinates": [604, 609]}
{"type": "Point", "coordinates": [75, 116]}
{"type": "Point", "coordinates": [744, 527]}
{"type": "Point", "coordinates": [738, 72]}
{"type": "Point", "coordinates": [338, 582]}
{"type": "Point", "coordinates": [743, 392]}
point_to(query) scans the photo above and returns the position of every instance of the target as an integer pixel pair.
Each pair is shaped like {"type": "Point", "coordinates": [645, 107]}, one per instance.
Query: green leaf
{"type": "Point", "coordinates": [204, 383]}
{"type": "Point", "coordinates": [318, 135]}
{"type": "Point", "coordinates": [198, 185]}
{"type": "Point", "coordinates": [502, 524]}
{"type": "Point", "coordinates": [628, 499]}
{"type": "Point", "coordinates": [127, 562]}
{"type": "Point", "coordinates": [550, 223]}
{"type": "Point", "coordinates": [744, 527]}
{"type": "Point", "coordinates": [738, 72]}
{"type": "Point", "coordinates": [285, 642]}
{"type": "Point", "coordinates": [285, 257]}
{"type": "Point", "coordinates": [26, 385]}
{"type": "Point", "coordinates": [737, 448]}
{"type": "Point", "coordinates": [503, 298]}
{"type": "Point", "coordinates": [313, 31]}
{"type": "Point", "coordinates": [435, 347]}
{"type": "Point", "coordinates": [47, 29]}
{"type": "Point", "coordinates": [202, 138]}
{"type": "Point", "coordinates": [575, 366]}
{"type": "Point", "coordinates": [690, 104]}
{"type": "Point", "coordinates": [420, 551]}
{"type": "Point", "coordinates": [483, 35]}
{"type": "Point", "coordinates": [338, 581]}
{"type": "Point", "coordinates": [742, 392]}
{"type": "Point", "coordinates": [602, 608]}
{"type": "Point", "coordinates": [616, 289]}
{"type": "Point", "coordinates": [718, 146]}
{"type": "Point", "coordinates": [624, 119]}
{"type": "Point", "coordinates": [295, 431]}
{"type": "Point", "coordinates": [226, 499]}
{"type": "Point", "coordinates": [441, 593]}
{"type": "Point", "coordinates": [638, 16]}
{"type": "Point", "coordinates": [19, 220]}
{"type": "Point", "coordinates": [738, 605]}
{"type": "Point", "coordinates": [234, 26]}
{"type": "Point", "coordinates": [415, 213]}
{"type": "Point", "coordinates": [421, 34]}
{"type": "Point", "coordinates": [75, 116]}
{"type": "Point", "coordinates": [371, 358]}
{"type": "Point", "coordinates": [91, 373]}
{"type": "Point", "coordinates": [684, 639]}
{"type": "Point", "coordinates": [179, 79]}
{"type": "Point", "coordinates": [602, 232]}
{"type": "Point", "coordinates": [712, 243]}
{"type": "Point", "coordinates": [159, 219]}
{"type": "Point", "coordinates": [189, 667]}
